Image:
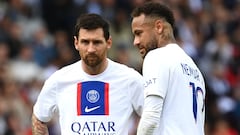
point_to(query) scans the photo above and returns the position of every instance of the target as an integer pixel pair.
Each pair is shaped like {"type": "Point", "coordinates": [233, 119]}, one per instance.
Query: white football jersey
{"type": "Point", "coordinates": [92, 104]}
{"type": "Point", "coordinates": [170, 73]}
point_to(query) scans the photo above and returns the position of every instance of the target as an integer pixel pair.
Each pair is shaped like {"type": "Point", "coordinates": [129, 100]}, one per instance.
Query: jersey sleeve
{"type": "Point", "coordinates": [137, 87]}
{"type": "Point", "coordinates": [156, 75]}
{"type": "Point", "coordinates": [45, 105]}
{"type": "Point", "coordinates": [149, 121]}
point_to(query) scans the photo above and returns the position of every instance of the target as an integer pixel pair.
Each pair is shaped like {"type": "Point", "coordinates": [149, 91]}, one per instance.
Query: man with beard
{"type": "Point", "coordinates": [94, 95]}
{"type": "Point", "coordinates": [174, 86]}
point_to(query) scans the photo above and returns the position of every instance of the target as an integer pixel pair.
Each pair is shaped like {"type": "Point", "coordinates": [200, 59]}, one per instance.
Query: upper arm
{"type": "Point", "coordinates": [46, 104]}
{"type": "Point", "coordinates": [156, 75]}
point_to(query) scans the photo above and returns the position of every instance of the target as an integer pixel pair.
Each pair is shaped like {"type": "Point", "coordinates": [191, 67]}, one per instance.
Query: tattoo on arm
{"type": "Point", "coordinates": [38, 127]}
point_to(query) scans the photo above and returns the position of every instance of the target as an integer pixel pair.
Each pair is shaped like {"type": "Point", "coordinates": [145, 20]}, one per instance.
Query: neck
{"type": "Point", "coordinates": [166, 37]}
{"type": "Point", "coordinates": [165, 42]}
{"type": "Point", "coordinates": [95, 70]}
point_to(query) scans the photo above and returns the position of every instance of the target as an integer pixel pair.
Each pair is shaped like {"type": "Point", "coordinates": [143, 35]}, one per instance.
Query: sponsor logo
{"type": "Point", "coordinates": [150, 82]}
{"type": "Point", "coordinates": [94, 128]}
{"type": "Point", "coordinates": [91, 109]}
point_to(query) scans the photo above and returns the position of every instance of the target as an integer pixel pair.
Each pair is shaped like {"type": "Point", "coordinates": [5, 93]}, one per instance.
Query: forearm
{"type": "Point", "coordinates": [38, 127]}
{"type": "Point", "coordinates": [148, 124]}
{"type": "Point", "coordinates": [150, 120]}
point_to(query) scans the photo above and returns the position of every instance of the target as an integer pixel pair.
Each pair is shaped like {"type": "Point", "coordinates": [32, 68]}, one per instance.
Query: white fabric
{"type": "Point", "coordinates": [59, 94]}
{"type": "Point", "coordinates": [170, 73]}
{"type": "Point", "coordinates": [151, 116]}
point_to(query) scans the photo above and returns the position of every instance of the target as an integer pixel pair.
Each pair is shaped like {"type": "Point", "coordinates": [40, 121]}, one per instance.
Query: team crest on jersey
{"type": "Point", "coordinates": [92, 98]}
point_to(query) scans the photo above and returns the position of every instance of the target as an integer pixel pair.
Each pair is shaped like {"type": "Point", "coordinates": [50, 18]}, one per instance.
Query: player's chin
{"type": "Point", "coordinates": [92, 62]}
{"type": "Point", "coordinates": [143, 52]}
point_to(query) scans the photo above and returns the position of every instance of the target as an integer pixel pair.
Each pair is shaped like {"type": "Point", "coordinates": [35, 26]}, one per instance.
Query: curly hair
{"type": "Point", "coordinates": [155, 9]}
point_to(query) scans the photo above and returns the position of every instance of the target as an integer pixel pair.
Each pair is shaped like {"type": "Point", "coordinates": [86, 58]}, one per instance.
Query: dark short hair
{"type": "Point", "coordinates": [90, 22]}
{"type": "Point", "coordinates": [155, 9]}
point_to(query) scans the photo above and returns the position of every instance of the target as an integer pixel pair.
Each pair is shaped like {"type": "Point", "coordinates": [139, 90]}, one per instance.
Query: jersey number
{"type": "Point", "coordinates": [195, 94]}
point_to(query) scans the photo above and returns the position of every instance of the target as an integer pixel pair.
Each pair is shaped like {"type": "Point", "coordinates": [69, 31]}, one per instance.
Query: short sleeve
{"type": "Point", "coordinates": [45, 105]}
{"type": "Point", "coordinates": [156, 74]}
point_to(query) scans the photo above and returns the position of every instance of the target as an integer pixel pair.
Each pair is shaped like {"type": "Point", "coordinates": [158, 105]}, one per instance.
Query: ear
{"type": "Point", "coordinates": [109, 42]}
{"type": "Point", "coordinates": [75, 42]}
{"type": "Point", "coordinates": [159, 26]}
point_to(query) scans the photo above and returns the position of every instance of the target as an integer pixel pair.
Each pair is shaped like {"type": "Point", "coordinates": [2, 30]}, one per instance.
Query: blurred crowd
{"type": "Point", "coordinates": [36, 39]}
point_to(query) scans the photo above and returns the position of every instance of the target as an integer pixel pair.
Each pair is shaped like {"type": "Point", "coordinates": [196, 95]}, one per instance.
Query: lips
{"type": "Point", "coordinates": [91, 57]}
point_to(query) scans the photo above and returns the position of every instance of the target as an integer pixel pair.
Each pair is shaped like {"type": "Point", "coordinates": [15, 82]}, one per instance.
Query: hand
{"type": "Point", "coordinates": [38, 127]}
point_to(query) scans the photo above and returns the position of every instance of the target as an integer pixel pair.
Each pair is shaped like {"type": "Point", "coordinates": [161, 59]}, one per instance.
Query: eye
{"type": "Point", "coordinates": [84, 41]}
{"type": "Point", "coordinates": [137, 33]}
{"type": "Point", "coordinates": [97, 42]}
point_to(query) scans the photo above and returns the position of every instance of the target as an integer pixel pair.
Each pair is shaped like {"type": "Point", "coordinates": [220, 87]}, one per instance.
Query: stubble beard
{"type": "Point", "coordinates": [92, 60]}
{"type": "Point", "coordinates": [151, 45]}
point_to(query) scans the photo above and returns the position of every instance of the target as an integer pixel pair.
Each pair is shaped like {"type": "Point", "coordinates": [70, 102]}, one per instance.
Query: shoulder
{"type": "Point", "coordinates": [163, 58]}
{"type": "Point", "coordinates": [167, 50]}
{"type": "Point", "coordinates": [165, 54]}
{"type": "Point", "coordinates": [71, 67]}
{"type": "Point", "coordinates": [156, 57]}
{"type": "Point", "coordinates": [123, 70]}
{"type": "Point", "coordinates": [157, 54]}
{"type": "Point", "coordinates": [65, 71]}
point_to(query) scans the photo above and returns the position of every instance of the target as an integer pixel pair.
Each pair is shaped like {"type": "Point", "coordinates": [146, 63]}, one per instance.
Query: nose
{"type": "Point", "coordinates": [136, 41]}
{"type": "Point", "coordinates": [91, 48]}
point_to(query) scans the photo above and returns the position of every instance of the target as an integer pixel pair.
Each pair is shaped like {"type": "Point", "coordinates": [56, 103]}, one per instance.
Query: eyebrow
{"type": "Point", "coordinates": [137, 31]}
{"type": "Point", "coordinates": [91, 40]}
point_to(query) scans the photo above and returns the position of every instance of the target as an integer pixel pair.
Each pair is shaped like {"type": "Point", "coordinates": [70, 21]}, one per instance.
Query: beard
{"type": "Point", "coordinates": [151, 45]}
{"type": "Point", "coordinates": [92, 60]}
